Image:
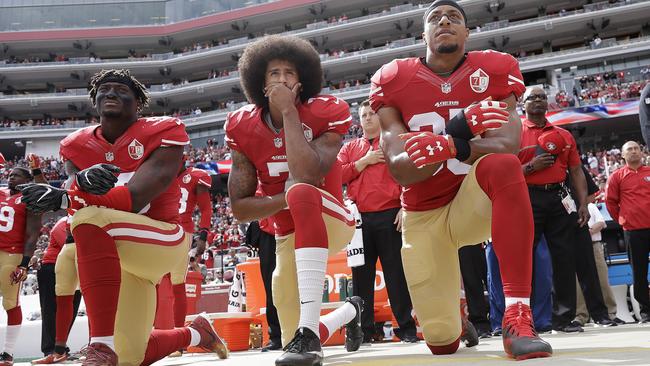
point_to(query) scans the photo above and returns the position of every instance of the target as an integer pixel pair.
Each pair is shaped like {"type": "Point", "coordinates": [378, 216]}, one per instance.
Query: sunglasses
{"type": "Point", "coordinates": [536, 96]}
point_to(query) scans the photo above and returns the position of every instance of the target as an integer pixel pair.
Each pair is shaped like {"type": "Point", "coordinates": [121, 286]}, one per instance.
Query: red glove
{"type": "Point", "coordinates": [478, 118]}
{"type": "Point", "coordinates": [34, 161]}
{"type": "Point", "coordinates": [18, 275]}
{"type": "Point", "coordinates": [426, 148]}
{"type": "Point", "coordinates": [553, 142]}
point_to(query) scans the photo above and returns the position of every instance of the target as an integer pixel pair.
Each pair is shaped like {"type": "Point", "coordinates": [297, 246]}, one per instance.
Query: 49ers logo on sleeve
{"type": "Point", "coordinates": [136, 150]}
{"type": "Point", "coordinates": [479, 81]}
{"type": "Point", "coordinates": [309, 134]}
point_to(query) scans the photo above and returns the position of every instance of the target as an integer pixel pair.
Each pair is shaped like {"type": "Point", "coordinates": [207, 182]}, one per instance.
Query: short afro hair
{"type": "Point", "coordinates": [119, 76]}
{"type": "Point", "coordinates": [300, 53]}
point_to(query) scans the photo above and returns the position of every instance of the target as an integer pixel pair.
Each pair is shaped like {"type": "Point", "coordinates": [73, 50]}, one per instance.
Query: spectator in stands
{"type": "Point", "coordinates": [546, 153]}
{"type": "Point", "coordinates": [628, 202]}
{"type": "Point", "coordinates": [377, 196]}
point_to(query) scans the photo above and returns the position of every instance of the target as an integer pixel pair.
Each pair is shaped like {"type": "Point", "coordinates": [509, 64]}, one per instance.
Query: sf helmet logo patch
{"type": "Point", "coordinates": [309, 134]}
{"type": "Point", "coordinates": [187, 178]}
{"type": "Point", "coordinates": [136, 150]}
{"type": "Point", "coordinates": [479, 81]}
{"type": "Point", "coordinates": [551, 146]}
{"type": "Point", "coordinates": [647, 179]}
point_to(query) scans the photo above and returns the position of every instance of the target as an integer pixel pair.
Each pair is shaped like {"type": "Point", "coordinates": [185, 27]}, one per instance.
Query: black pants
{"type": "Point", "coordinates": [46, 283]}
{"type": "Point", "coordinates": [267, 266]}
{"type": "Point", "coordinates": [473, 268]}
{"type": "Point", "coordinates": [587, 272]}
{"type": "Point", "coordinates": [552, 220]}
{"type": "Point", "coordinates": [638, 248]}
{"type": "Point", "coordinates": [382, 240]}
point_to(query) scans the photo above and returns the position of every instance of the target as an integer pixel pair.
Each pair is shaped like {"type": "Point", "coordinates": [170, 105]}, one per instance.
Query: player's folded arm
{"type": "Point", "coordinates": [154, 176]}
{"type": "Point", "coordinates": [242, 184]}
{"type": "Point", "coordinates": [504, 140]}
{"type": "Point", "coordinates": [399, 164]}
{"type": "Point", "coordinates": [327, 147]}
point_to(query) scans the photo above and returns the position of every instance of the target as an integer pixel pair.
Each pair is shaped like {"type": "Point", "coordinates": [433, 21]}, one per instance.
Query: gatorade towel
{"type": "Point", "coordinates": [355, 247]}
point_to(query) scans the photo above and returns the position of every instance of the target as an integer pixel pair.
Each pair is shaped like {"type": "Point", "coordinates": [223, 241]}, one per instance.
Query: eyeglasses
{"type": "Point", "coordinates": [536, 96]}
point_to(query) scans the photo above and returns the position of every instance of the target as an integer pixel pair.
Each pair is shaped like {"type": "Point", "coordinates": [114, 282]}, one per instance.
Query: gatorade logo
{"type": "Point", "coordinates": [380, 283]}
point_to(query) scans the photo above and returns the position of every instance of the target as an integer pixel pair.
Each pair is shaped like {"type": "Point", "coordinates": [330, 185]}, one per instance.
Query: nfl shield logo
{"type": "Point", "coordinates": [277, 142]}
{"type": "Point", "coordinates": [109, 156]}
{"type": "Point", "coordinates": [446, 88]}
{"type": "Point", "coordinates": [479, 81]}
{"type": "Point", "coordinates": [309, 135]}
{"type": "Point", "coordinates": [136, 150]}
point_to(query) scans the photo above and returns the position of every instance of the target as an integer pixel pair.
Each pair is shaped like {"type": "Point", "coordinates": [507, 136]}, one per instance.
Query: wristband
{"type": "Point", "coordinates": [463, 150]}
{"type": "Point", "coordinates": [25, 262]}
{"type": "Point", "coordinates": [37, 171]}
{"type": "Point", "coordinates": [457, 127]}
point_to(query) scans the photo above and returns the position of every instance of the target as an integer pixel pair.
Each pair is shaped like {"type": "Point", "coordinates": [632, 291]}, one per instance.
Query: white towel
{"type": "Point", "coordinates": [355, 247]}
{"type": "Point", "coordinates": [236, 298]}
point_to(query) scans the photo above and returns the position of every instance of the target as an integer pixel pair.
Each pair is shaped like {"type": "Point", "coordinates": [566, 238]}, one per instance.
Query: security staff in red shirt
{"type": "Point", "coordinates": [628, 202]}
{"type": "Point", "coordinates": [377, 197]}
{"type": "Point", "coordinates": [546, 152]}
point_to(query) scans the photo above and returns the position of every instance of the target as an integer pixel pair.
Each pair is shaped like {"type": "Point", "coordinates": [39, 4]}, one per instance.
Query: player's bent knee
{"type": "Point", "coordinates": [439, 332]}
{"type": "Point", "coordinates": [303, 192]}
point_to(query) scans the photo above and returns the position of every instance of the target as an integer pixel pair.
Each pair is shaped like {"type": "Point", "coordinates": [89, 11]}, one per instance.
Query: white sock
{"type": "Point", "coordinates": [339, 317]}
{"type": "Point", "coordinates": [196, 336]}
{"type": "Point", "coordinates": [11, 336]}
{"type": "Point", "coordinates": [514, 300]}
{"type": "Point", "coordinates": [109, 341]}
{"type": "Point", "coordinates": [310, 266]}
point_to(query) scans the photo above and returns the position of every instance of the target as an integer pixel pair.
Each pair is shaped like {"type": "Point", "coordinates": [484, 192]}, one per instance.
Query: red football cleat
{"type": "Point", "coordinates": [99, 354]}
{"type": "Point", "coordinates": [520, 340]}
{"type": "Point", "coordinates": [210, 340]}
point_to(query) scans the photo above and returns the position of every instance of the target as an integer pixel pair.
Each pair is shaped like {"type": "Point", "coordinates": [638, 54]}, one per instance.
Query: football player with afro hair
{"type": "Point", "coordinates": [300, 53]}
{"type": "Point", "coordinates": [286, 142]}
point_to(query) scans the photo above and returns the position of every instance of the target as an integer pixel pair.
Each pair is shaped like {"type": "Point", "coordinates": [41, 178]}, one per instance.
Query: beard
{"type": "Point", "coordinates": [447, 48]}
{"type": "Point", "coordinates": [112, 114]}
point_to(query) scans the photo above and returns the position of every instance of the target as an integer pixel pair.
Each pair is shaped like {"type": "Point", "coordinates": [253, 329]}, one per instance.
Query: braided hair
{"type": "Point", "coordinates": [119, 76]}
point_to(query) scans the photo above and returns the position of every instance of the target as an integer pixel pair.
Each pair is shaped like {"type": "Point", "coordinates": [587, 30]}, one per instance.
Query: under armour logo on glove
{"type": "Point", "coordinates": [478, 118]}
{"type": "Point", "coordinates": [427, 148]}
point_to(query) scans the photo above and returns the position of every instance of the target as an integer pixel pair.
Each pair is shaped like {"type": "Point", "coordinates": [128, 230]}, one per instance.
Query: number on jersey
{"type": "Point", "coordinates": [434, 122]}
{"type": "Point", "coordinates": [6, 219]}
{"type": "Point", "coordinates": [276, 168]}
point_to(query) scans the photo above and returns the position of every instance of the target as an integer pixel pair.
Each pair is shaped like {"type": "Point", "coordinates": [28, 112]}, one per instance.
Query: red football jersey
{"type": "Point", "coordinates": [58, 234]}
{"type": "Point", "coordinates": [427, 101]}
{"type": "Point", "coordinates": [248, 133]}
{"type": "Point", "coordinates": [188, 180]}
{"type": "Point", "coordinates": [87, 147]}
{"type": "Point", "coordinates": [13, 215]}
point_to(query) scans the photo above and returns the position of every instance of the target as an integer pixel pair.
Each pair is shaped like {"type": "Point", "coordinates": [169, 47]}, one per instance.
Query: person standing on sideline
{"type": "Point", "coordinates": [377, 196]}
{"type": "Point", "coordinates": [596, 225]}
{"type": "Point", "coordinates": [546, 152]}
{"type": "Point", "coordinates": [644, 114]}
{"type": "Point", "coordinates": [259, 234]}
{"type": "Point", "coordinates": [47, 295]}
{"type": "Point", "coordinates": [628, 202]}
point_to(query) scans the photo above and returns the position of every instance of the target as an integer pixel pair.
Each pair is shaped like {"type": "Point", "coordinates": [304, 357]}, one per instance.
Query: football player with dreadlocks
{"type": "Point", "coordinates": [119, 228]}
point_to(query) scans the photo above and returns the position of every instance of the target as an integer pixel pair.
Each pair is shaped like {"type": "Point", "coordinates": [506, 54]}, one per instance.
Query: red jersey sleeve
{"type": "Point", "coordinates": [515, 79]}
{"type": "Point", "coordinates": [203, 178]}
{"type": "Point", "coordinates": [335, 111]}
{"type": "Point", "coordinates": [348, 169]}
{"type": "Point", "coordinates": [379, 82]}
{"type": "Point", "coordinates": [172, 132]}
{"type": "Point", "coordinates": [612, 198]}
{"type": "Point", "coordinates": [234, 121]}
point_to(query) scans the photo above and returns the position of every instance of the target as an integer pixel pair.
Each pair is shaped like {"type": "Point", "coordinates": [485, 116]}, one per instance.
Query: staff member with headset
{"type": "Point", "coordinates": [546, 153]}
{"type": "Point", "coordinates": [377, 197]}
